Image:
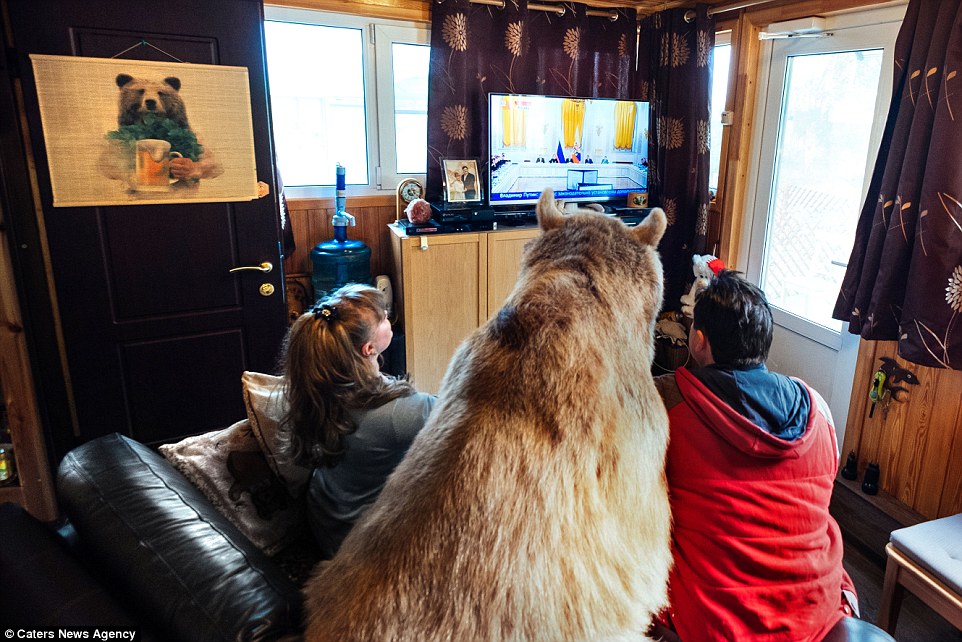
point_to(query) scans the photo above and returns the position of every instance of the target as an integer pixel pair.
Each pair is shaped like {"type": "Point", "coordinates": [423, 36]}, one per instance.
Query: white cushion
{"type": "Point", "coordinates": [266, 407]}
{"type": "Point", "coordinates": [936, 546]}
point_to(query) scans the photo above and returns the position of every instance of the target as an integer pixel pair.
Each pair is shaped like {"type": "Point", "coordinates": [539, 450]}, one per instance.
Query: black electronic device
{"type": "Point", "coordinates": [515, 218]}
{"type": "Point", "coordinates": [461, 214]}
{"type": "Point", "coordinates": [632, 216]}
{"type": "Point", "coordinates": [435, 227]}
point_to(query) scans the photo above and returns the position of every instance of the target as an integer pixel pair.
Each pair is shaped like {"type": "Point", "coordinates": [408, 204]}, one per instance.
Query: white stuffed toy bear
{"type": "Point", "coordinates": [705, 267]}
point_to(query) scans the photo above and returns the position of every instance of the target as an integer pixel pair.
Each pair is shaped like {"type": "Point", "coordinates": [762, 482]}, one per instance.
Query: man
{"type": "Point", "coordinates": [750, 467]}
{"type": "Point", "coordinates": [470, 184]}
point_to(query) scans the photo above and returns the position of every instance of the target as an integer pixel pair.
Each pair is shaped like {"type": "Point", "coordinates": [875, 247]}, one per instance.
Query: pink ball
{"type": "Point", "coordinates": [418, 211]}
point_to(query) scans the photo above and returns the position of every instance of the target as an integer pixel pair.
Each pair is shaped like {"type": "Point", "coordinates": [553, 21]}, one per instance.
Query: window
{"type": "Point", "coordinates": [719, 94]}
{"type": "Point", "coordinates": [348, 90]}
{"type": "Point", "coordinates": [820, 124]}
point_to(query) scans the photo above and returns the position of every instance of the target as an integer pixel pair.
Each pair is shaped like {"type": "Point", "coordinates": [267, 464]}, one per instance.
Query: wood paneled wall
{"type": "Point", "coordinates": [311, 223]}
{"type": "Point", "coordinates": [918, 442]}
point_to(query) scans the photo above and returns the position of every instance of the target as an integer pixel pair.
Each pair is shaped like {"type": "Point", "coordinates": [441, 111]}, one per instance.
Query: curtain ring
{"type": "Point", "coordinates": [690, 16]}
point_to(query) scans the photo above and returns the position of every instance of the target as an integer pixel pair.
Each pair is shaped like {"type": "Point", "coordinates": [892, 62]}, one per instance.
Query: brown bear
{"type": "Point", "coordinates": [138, 98]}
{"type": "Point", "coordinates": [533, 504]}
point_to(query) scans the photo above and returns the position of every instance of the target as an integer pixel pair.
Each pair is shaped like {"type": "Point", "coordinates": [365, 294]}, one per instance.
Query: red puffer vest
{"type": "Point", "coordinates": [756, 554]}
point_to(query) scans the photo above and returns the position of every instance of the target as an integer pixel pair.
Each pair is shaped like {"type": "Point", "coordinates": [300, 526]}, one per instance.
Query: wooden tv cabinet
{"type": "Point", "coordinates": [447, 285]}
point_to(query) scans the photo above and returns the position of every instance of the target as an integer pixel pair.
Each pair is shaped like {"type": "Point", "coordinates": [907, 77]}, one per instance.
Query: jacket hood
{"type": "Point", "coordinates": [773, 407]}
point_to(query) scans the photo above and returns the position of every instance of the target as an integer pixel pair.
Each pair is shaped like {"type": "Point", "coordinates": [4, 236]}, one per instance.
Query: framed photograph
{"type": "Point", "coordinates": [462, 182]}
{"type": "Point", "coordinates": [132, 132]}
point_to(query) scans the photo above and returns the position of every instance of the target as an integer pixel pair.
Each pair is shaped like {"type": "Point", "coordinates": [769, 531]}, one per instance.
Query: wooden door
{"type": "Point", "coordinates": [155, 330]}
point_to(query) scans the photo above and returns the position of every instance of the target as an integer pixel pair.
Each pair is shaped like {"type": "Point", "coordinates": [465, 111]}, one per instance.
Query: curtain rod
{"type": "Point", "coordinates": [722, 8]}
{"type": "Point", "coordinates": [550, 8]}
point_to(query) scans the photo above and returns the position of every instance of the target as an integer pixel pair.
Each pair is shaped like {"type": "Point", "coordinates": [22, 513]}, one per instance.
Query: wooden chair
{"type": "Point", "coordinates": [926, 559]}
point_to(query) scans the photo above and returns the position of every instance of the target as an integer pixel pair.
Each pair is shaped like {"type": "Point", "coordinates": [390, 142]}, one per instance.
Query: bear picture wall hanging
{"type": "Point", "coordinates": [129, 132]}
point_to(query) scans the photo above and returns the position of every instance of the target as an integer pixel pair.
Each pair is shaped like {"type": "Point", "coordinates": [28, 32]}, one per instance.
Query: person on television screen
{"type": "Point", "coordinates": [470, 182]}
{"type": "Point", "coordinates": [750, 468]}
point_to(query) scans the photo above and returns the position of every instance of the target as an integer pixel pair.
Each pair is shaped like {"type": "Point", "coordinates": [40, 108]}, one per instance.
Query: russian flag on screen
{"type": "Point", "coordinates": [561, 153]}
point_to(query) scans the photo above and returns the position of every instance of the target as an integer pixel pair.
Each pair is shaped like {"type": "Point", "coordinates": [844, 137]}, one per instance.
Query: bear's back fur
{"type": "Point", "coordinates": [533, 505]}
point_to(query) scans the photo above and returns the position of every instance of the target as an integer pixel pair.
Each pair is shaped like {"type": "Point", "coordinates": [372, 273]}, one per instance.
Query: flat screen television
{"type": "Point", "coordinates": [585, 149]}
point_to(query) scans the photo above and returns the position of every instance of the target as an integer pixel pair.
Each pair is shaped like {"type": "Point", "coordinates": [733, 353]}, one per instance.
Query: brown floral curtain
{"type": "Point", "coordinates": [477, 49]}
{"type": "Point", "coordinates": [904, 277]}
{"type": "Point", "coordinates": [674, 73]}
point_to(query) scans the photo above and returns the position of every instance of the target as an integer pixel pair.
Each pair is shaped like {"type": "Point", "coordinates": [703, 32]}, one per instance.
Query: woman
{"type": "Point", "coordinates": [346, 419]}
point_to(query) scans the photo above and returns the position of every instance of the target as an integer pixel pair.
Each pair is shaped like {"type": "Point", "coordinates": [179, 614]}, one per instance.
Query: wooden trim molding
{"type": "Point", "coordinates": [35, 486]}
{"type": "Point", "coordinates": [373, 200]}
{"type": "Point", "coordinates": [412, 10]}
{"type": "Point", "coordinates": [733, 178]}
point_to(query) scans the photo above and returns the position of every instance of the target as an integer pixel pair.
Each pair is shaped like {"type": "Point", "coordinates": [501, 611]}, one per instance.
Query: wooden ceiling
{"type": "Point", "coordinates": [419, 10]}
{"type": "Point", "coordinates": [645, 7]}
{"type": "Point", "coordinates": [651, 6]}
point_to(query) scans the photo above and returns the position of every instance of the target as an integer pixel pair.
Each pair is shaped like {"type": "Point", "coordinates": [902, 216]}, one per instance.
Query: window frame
{"type": "Point", "coordinates": [379, 34]}
{"type": "Point", "coordinates": [385, 36]}
{"type": "Point", "coordinates": [768, 106]}
{"type": "Point", "coordinates": [723, 37]}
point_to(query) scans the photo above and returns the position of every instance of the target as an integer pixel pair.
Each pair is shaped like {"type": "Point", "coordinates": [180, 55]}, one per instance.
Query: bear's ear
{"type": "Point", "coordinates": [549, 214]}
{"type": "Point", "coordinates": [650, 230]}
{"type": "Point", "coordinates": [173, 82]}
{"type": "Point", "coordinates": [123, 79]}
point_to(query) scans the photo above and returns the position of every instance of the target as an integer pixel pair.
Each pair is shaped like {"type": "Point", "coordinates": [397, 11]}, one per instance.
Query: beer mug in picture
{"type": "Point", "coordinates": [152, 167]}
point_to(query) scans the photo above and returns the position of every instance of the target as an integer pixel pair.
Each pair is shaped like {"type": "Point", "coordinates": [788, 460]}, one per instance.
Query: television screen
{"type": "Point", "coordinates": [585, 149]}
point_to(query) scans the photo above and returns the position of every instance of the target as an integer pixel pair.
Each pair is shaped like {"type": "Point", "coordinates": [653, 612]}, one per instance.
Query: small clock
{"type": "Point", "coordinates": [410, 189]}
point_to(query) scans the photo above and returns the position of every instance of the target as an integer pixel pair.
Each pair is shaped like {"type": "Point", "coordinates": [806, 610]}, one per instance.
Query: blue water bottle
{"type": "Point", "coordinates": [340, 261]}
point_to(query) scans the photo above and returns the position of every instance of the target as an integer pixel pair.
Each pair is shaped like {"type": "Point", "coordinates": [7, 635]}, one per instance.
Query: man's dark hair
{"type": "Point", "coordinates": [735, 317]}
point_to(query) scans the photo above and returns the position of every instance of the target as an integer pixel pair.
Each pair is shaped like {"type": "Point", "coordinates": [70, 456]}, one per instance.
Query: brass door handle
{"type": "Point", "coordinates": [263, 267]}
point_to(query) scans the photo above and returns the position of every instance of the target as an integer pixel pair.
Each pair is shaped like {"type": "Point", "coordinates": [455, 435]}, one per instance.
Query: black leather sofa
{"type": "Point", "coordinates": [143, 549]}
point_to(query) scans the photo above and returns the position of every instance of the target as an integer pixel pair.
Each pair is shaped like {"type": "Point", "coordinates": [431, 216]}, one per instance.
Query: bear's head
{"type": "Point", "coordinates": [587, 285]}
{"type": "Point", "coordinates": [618, 265]}
{"type": "Point", "coordinates": [139, 97]}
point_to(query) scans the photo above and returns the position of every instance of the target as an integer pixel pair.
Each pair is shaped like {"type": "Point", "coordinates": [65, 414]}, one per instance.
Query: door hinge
{"type": "Point", "coordinates": [370, 33]}
{"type": "Point", "coordinates": [377, 177]}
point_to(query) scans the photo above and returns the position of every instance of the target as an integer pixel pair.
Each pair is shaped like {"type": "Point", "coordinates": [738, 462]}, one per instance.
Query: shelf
{"type": "Point", "coordinates": [868, 520]}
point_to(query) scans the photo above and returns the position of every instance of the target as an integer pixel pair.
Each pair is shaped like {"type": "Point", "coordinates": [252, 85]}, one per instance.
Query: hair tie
{"type": "Point", "coordinates": [327, 312]}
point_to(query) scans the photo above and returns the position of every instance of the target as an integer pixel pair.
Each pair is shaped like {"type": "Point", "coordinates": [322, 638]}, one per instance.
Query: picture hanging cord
{"type": "Point", "coordinates": [611, 15]}
{"type": "Point", "coordinates": [144, 43]}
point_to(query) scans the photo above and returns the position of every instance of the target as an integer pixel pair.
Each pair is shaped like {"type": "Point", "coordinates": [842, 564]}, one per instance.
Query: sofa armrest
{"type": "Point", "coordinates": [165, 545]}
{"type": "Point", "coordinates": [44, 585]}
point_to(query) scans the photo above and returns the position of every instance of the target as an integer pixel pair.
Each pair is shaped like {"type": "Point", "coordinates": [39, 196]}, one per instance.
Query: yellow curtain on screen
{"type": "Point", "coordinates": [514, 122]}
{"type": "Point", "coordinates": [624, 124]}
{"type": "Point", "coordinates": [573, 120]}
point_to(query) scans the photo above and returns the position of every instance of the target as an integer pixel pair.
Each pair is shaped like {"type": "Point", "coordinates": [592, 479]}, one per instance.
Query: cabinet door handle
{"type": "Point", "coordinates": [263, 267]}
